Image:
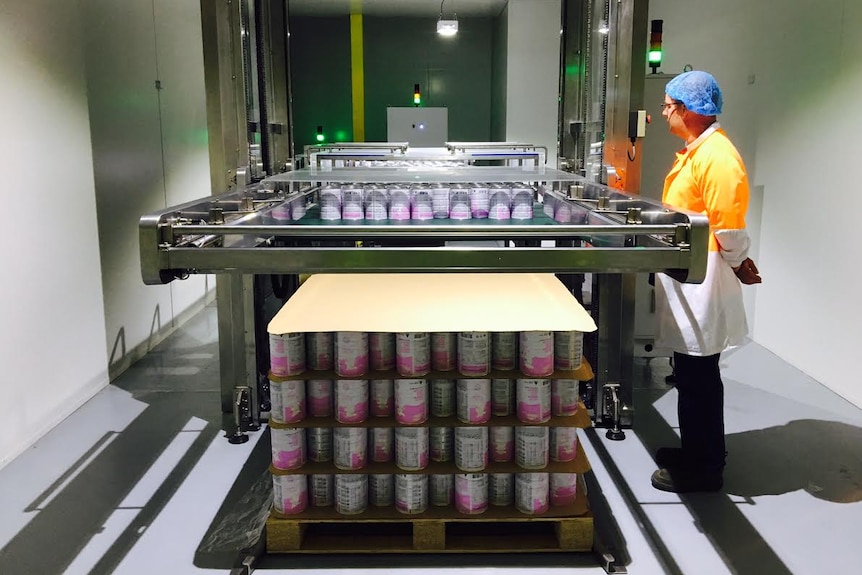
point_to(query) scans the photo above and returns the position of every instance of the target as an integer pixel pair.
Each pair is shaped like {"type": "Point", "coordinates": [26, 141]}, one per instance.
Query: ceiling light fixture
{"type": "Point", "coordinates": [447, 27]}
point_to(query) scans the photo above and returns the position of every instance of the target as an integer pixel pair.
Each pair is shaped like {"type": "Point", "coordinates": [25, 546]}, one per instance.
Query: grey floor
{"type": "Point", "coordinates": [140, 480]}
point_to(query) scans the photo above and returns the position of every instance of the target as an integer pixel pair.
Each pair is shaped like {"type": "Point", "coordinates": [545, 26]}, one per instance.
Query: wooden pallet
{"type": "Point", "coordinates": [438, 530]}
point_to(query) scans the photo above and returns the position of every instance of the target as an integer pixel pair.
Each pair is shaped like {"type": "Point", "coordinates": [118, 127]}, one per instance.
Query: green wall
{"type": "Point", "coordinates": [398, 53]}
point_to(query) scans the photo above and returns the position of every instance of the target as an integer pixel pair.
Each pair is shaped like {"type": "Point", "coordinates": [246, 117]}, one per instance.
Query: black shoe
{"type": "Point", "coordinates": [686, 481]}
{"type": "Point", "coordinates": [670, 457]}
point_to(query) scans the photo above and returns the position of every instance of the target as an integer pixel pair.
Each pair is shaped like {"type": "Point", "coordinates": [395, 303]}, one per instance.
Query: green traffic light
{"type": "Point", "coordinates": [320, 137]}
{"type": "Point", "coordinates": [654, 56]}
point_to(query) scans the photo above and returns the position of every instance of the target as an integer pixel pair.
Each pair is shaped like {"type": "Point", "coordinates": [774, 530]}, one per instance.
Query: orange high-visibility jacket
{"type": "Point", "coordinates": [708, 177]}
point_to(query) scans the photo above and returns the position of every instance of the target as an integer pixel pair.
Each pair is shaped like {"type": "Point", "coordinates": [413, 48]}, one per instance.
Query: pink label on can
{"type": "Point", "coordinates": [413, 354]}
{"type": "Point", "coordinates": [443, 351]}
{"type": "Point", "coordinates": [382, 398]}
{"type": "Point", "coordinates": [320, 406]}
{"type": "Point", "coordinates": [474, 353]}
{"type": "Point", "coordinates": [537, 353]}
{"type": "Point", "coordinates": [278, 365]}
{"type": "Point", "coordinates": [422, 212]}
{"type": "Point", "coordinates": [479, 413]}
{"type": "Point", "coordinates": [289, 459]}
{"type": "Point", "coordinates": [351, 352]}
{"type": "Point", "coordinates": [353, 413]}
{"type": "Point", "coordinates": [295, 414]}
{"type": "Point", "coordinates": [399, 212]}
{"type": "Point", "coordinates": [564, 495]}
{"type": "Point", "coordinates": [357, 460]}
{"type": "Point", "coordinates": [382, 351]}
{"type": "Point", "coordinates": [294, 505]}
{"type": "Point", "coordinates": [411, 414]}
{"type": "Point", "coordinates": [499, 212]}
{"type": "Point", "coordinates": [382, 408]}
{"type": "Point", "coordinates": [564, 443]}
{"type": "Point", "coordinates": [467, 504]}
{"type": "Point", "coordinates": [351, 401]}
{"type": "Point", "coordinates": [382, 453]}
{"type": "Point", "coordinates": [502, 451]}
{"type": "Point", "coordinates": [564, 397]}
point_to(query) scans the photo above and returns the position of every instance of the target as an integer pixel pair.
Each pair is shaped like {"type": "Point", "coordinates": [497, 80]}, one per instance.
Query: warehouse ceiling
{"type": "Point", "coordinates": [414, 8]}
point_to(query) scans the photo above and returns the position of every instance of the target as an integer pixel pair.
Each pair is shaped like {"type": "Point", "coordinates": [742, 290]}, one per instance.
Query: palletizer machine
{"type": "Point", "coordinates": [594, 237]}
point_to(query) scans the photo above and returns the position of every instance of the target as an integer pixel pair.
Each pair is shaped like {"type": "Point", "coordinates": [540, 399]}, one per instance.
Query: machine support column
{"type": "Point", "coordinates": [237, 358]}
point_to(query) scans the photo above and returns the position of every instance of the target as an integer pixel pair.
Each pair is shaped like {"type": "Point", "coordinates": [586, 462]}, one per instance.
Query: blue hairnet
{"type": "Point", "coordinates": [698, 91]}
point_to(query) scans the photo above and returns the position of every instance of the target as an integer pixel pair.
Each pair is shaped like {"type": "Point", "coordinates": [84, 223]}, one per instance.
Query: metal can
{"type": "Point", "coordinates": [442, 489]}
{"type": "Point", "coordinates": [441, 443]}
{"type": "Point", "coordinates": [381, 489]}
{"type": "Point", "coordinates": [288, 400]}
{"type": "Point", "coordinates": [471, 448]}
{"type": "Point", "coordinates": [479, 201]}
{"type": "Point", "coordinates": [411, 493]}
{"type": "Point", "coordinates": [443, 356]}
{"type": "Point", "coordinates": [537, 353]}
{"type": "Point", "coordinates": [474, 400]}
{"type": "Point", "coordinates": [411, 401]}
{"type": "Point", "coordinates": [534, 400]}
{"type": "Point", "coordinates": [564, 489]}
{"type": "Point", "coordinates": [287, 353]}
{"type": "Point", "coordinates": [502, 396]}
{"type": "Point", "coordinates": [442, 397]}
{"type": "Point", "coordinates": [474, 352]}
{"type": "Point", "coordinates": [320, 350]}
{"type": "Point", "coordinates": [501, 488]}
{"type": "Point", "coordinates": [381, 351]}
{"type": "Point", "coordinates": [565, 397]}
{"type": "Point", "coordinates": [471, 493]}
{"type": "Point", "coordinates": [564, 443]}
{"type": "Point", "coordinates": [322, 490]}
{"type": "Point", "coordinates": [289, 494]}
{"type": "Point", "coordinates": [531, 447]}
{"type": "Point", "coordinates": [319, 444]}
{"type": "Point", "coordinates": [382, 397]}
{"type": "Point", "coordinates": [531, 493]}
{"type": "Point", "coordinates": [413, 354]}
{"type": "Point", "coordinates": [351, 493]}
{"type": "Point", "coordinates": [504, 350]}
{"type": "Point", "coordinates": [502, 444]}
{"type": "Point", "coordinates": [351, 203]}
{"type": "Point", "coordinates": [351, 353]}
{"type": "Point", "coordinates": [288, 447]}
{"type": "Point", "coordinates": [399, 203]}
{"type": "Point", "coordinates": [382, 441]}
{"type": "Point", "coordinates": [350, 447]}
{"type": "Point", "coordinates": [411, 448]}
{"type": "Point", "coordinates": [330, 203]}
{"type": "Point", "coordinates": [320, 397]}
{"type": "Point", "coordinates": [568, 350]}
{"type": "Point", "coordinates": [351, 400]}
{"type": "Point", "coordinates": [440, 201]}
{"type": "Point", "coordinates": [376, 203]}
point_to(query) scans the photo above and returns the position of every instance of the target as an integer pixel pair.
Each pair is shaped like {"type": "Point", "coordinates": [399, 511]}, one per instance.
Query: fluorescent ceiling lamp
{"type": "Point", "coordinates": [447, 27]}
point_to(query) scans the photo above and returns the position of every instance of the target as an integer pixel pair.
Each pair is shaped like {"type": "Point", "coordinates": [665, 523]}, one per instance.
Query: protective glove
{"type": "Point", "coordinates": [747, 272]}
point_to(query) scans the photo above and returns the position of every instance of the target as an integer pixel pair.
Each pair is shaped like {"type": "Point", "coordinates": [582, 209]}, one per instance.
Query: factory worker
{"type": "Point", "coordinates": [699, 321]}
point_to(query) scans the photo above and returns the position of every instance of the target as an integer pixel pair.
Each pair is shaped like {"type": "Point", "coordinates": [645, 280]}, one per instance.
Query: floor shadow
{"type": "Point", "coordinates": [786, 458]}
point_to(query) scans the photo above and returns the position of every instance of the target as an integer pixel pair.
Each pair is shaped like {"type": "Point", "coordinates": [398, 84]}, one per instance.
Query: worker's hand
{"type": "Point", "coordinates": [748, 273]}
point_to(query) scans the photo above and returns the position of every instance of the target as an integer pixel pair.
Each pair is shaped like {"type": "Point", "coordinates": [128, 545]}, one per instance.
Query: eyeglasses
{"type": "Point", "coordinates": [665, 105]}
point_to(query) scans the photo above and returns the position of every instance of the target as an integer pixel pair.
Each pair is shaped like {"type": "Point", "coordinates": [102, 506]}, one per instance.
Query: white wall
{"type": "Point", "coordinates": [533, 73]}
{"type": "Point", "coordinates": [797, 127]}
{"type": "Point", "coordinates": [52, 331]}
{"type": "Point", "coordinates": [150, 152]}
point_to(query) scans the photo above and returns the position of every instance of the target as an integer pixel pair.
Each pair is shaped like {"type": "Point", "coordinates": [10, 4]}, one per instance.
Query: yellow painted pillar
{"type": "Point", "coordinates": [357, 73]}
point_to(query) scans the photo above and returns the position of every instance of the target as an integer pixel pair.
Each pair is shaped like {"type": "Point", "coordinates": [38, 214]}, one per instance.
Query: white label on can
{"type": "Point", "coordinates": [522, 203]}
{"type": "Point", "coordinates": [382, 440]}
{"type": "Point", "coordinates": [411, 448]}
{"type": "Point", "coordinates": [298, 209]}
{"type": "Point", "coordinates": [351, 204]}
{"type": "Point", "coordinates": [501, 488]}
{"type": "Point", "coordinates": [382, 351]}
{"type": "Point", "coordinates": [471, 493]}
{"type": "Point", "coordinates": [442, 489]}
{"type": "Point", "coordinates": [502, 396]}
{"type": "Point", "coordinates": [504, 350]}
{"type": "Point", "coordinates": [471, 448]}
{"type": "Point", "coordinates": [350, 447]}
{"type": "Point", "coordinates": [537, 353]}
{"type": "Point", "coordinates": [531, 492]}
{"type": "Point", "coordinates": [351, 493]}
{"type": "Point", "coordinates": [441, 443]}
{"type": "Point", "coordinates": [351, 400]}
{"type": "Point", "coordinates": [330, 204]}
{"type": "Point", "coordinates": [474, 400]}
{"type": "Point", "coordinates": [440, 201]}
{"type": "Point", "coordinates": [460, 208]}
{"type": "Point", "coordinates": [381, 490]}
{"type": "Point", "coordinates": [288, 400]}
{"type": "Point", "coordinates": [499, 205]}
{"type": "Point", "coordinates": [564, 489]}
{"type": "Point", "coordinates": [321, 355]}
{"type": "Point", "coordinates": [288, 448]}
{"type": "Point", "coordinates": [320, 397]}
{"type": "Point", "coordinates": [319, 444]}
{"type": "Point", "coordinates": [502, 444]}
{"type": "Point", "coordinates": [351, 353]}
{"type": "Point", "coordinates": [287, 353]}
{"type": "Point", "coordinates": [480, 201]}
{"type": "Point", "coordinates": [564, 443]}
{"type": "Point", "coordinates": [565, 396]}
{"type": "Point", "coordinates": [412, 354]}
{"type": "Point", "coordinates": [411, 401]}
{"type": "Point", "coordinates": [568, 349]}
{"type": "Point", "coordinates": [289, 493]}
{"type": "Point", "coordinates": [382, 397]}
{"type": "Point", "coordinates": [442, 397]}
{"type": "Point", "coordinates": [474, 352]}
{"type": "Point", "coordinates": [322, 490]}
{"type": "Point", "coordinates": [411, 493]}
{"type": "Point", "coordinates": [534, 400]}
{"type": "Point", "coordinates": [399, 204]}
{"type": "Point", "coordinates": [531, 447]}
{"type": "Point", "coordinates": [443, 345]}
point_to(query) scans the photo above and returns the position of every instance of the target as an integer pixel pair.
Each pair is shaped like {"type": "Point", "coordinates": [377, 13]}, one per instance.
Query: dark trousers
{"type": "Point", "coordinates": [701, 410]}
